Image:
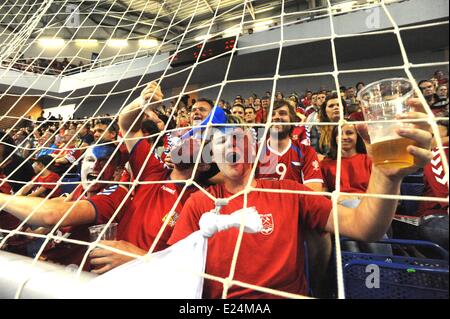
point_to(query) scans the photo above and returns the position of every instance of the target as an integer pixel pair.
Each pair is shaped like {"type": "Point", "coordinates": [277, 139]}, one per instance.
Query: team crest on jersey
{"type": "Point", "coordinates": [173, 219]}
{"type": "Point", "coordinates": [315, 165]}
{"type": "Point", "coordinates": [267, 223]}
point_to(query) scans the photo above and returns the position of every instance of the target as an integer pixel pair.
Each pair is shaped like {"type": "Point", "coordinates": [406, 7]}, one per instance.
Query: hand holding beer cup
{"type": "Point", "coordinates": [397, 147]}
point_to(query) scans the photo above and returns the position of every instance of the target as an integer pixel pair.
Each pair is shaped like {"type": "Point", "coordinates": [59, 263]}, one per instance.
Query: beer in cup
{"type": "Point", "coordinates": [110, 233]}
{"type": "Point", "coordinates": [383, 101]}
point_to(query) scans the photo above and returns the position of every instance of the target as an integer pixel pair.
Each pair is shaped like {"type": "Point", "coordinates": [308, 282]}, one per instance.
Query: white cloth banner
{"type": "Point", "coordinates": [174, 272]}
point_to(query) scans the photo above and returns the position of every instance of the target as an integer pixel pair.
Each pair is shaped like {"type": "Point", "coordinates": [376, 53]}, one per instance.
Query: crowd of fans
{"type": "Point", "coordinates": [45, 66]}
{"type": "Point", "coordinates": [104, 153]}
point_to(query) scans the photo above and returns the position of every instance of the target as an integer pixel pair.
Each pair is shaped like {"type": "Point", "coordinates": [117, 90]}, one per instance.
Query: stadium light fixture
{"type": "Point", "coordinates": [262, 25]}
{"type": "Point", "coordinates": [51, 43]}
{"type": "Point", "coordinates": [117, 43]}
{"type": "Point", "coordinates": [231, 32]}
{"type": "Point", "coordinates": [86, 42]}
{"type": "Point", "coordinates": [203, 37]}
{"type": "Point", "coordinates": [148, 43]}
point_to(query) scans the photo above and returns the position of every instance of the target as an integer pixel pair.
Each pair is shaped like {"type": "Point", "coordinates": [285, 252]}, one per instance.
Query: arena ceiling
{"type": "Point", "coordinates": [135, 18]}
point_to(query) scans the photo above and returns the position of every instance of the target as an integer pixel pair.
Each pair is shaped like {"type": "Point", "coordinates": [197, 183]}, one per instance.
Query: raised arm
{"type": "Point", "coordinates": [372, 218]}
{"type": "Point", "coordinates": [50, 212]}
{"type": "Point", "coordinates": [152, 93]}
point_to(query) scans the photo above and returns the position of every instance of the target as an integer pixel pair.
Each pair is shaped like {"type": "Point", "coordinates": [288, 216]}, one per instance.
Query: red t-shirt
{"type": "Point", "coordinates": [273, 258]}
{"type": "Point", "coordinates": [298, 162]}
{"type": "Point", "coordinates": [355, 173]}
{"type": "Point", "coordinates": [51, 178]}
{"type": "Point", "coordinates": [306, 102]}
{"type": "Point", "coordinates": [261, 115]}
{"type": "Point", "coordinates": [299, 133]}
{"type": "Point", "coordinates": [145, 214]}
{"type": "Point", "coordinates": [436, 185]}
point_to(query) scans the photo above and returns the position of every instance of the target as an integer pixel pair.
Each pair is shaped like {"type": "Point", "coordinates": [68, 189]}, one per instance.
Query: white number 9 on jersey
{"type": "Point", "coordinates": [281, 170]}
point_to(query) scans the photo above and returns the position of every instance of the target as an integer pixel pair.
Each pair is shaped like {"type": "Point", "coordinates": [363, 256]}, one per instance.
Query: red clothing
{"type": "Point", "coordinates": [298, 162]}
{"type": "Point", "coordinates": [145, 214]}
{"type": "Point", "coordinates": [355, 173]}
{"type": "Point", "coordinates": [310, 110]}
{"type": "Point", "coordinates": [261, 115]}
{"type": "Point", "coordinates": [274, 257]}
{"type": "Point", "coordinates": [300, 134]}
{"type": "Point", "coordinates": [5, 188]}
{"type": "Point", "coordinates": [70, 154]}
{"type": "Point", "coordinates": [436, 185]}
{"type": "Point", "coordinates": [300, 110]}
{"type": "Point", "coordinates": [306, 102]}
{"type": "Point", "coordinates": [51, 178]}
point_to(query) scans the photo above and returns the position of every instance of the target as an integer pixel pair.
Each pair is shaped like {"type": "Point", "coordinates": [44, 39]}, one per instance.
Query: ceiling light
{"type": "Point", "coordinates": [231, 32]}
{"type": "Point", "coordinates": [148, 43]}
{"type": "Point", "coordinates": [203, 37]}
{"type": "Point", "coordinates": [51, 42]}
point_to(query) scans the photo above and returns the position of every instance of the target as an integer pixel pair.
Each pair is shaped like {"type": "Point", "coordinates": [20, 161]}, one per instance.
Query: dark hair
{"type": "Point", "coordinates": [238, 105]}
{"type": "Point", "coordinates": [202, 99]}
{"type": "Point", "coordinates": [8, 145]}
{"type": "Point", "coordinates": [323, 117]}
{"type": "Point", "coordinates": [360, 146]}
{"type": "Point", "coordinates": [111, 127]}
{"type": "Point", "coordinates": [250, 107]}
{"type": "Point", "coordinates": [149, 128]}
{"type": "Point", "coordinates": [45, 160]}
{"type": "Point", "coordinates": [422, 82]}
{"type": "Point", "coordinates": [359, 83]}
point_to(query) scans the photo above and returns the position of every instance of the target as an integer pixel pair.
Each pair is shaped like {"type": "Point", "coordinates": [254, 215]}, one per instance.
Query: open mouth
{"type": "Point", "coordinates": [91, 176]}
{"type": "Point", "coordinates": [232, 158]}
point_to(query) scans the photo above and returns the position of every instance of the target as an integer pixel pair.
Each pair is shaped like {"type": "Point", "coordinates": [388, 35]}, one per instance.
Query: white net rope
{"type": "Point", "coordinates": [22, 32]}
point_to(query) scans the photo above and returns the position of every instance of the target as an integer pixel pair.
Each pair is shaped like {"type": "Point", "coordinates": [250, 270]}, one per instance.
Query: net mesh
{"type": "Point", "coordinates": [176, 27]}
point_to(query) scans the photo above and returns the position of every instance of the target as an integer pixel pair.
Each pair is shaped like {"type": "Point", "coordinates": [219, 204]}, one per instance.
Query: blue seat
{"type": "Point", "coordinates": [412, 185]}
{"type": "Point", "coordinates": [400, 277]}
{"type": "Point", "coordinates": [72, 181]}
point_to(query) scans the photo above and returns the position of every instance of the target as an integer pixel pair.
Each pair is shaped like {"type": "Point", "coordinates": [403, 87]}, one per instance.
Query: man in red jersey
{"type": "Point", "coordinates": [94, 162]}
{"type": "Point", "coordinates": [284, 158]}
{"type": "Point", "coordinates": [274, 257]}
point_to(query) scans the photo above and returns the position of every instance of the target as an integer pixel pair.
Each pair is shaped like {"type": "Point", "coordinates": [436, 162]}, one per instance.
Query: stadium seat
{"type": "Point", "coordinates": [400, 277]}
{"type": "Point", "coordinates": [412, 185]}
{"type": "Point", "coordinates": [68, 188]}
